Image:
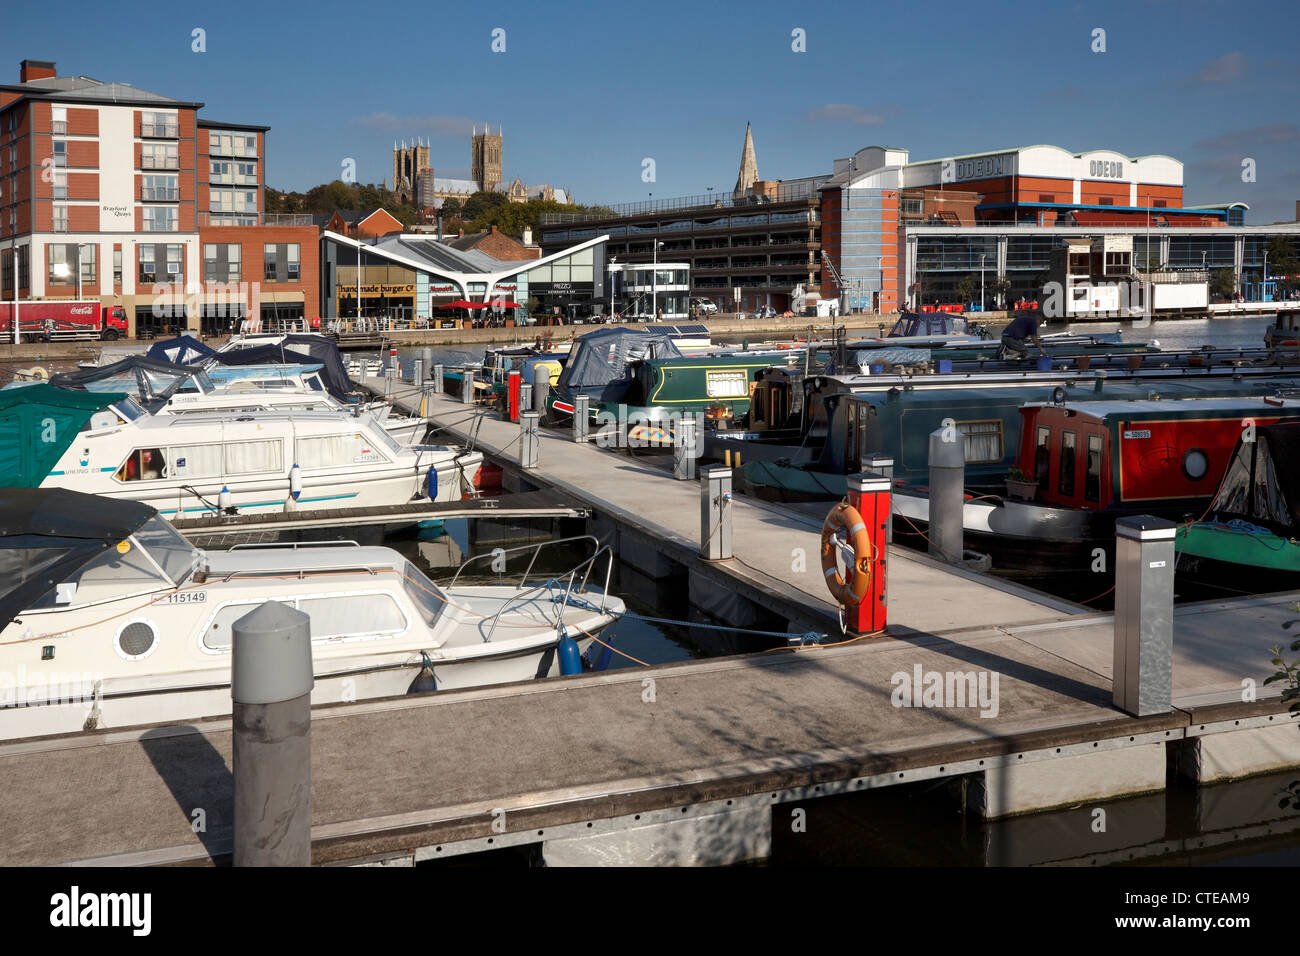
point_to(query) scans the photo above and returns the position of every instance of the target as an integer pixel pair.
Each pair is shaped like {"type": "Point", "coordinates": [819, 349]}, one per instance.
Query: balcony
{"type": "Point", "coordinates": [219, 218]}
{"type": "Point", "coordinates": [59, 127]}
{"type": "Point", "coordinates": [160, 194]}
{"type": "Point", "coordinates": [159, 130]}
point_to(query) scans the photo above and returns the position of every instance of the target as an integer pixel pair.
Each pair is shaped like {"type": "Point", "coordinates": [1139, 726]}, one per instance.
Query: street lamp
{"type": "Point", "coordinates": [982, 281]}
{"type": "Point", "coordinates": [654, 283]}
{"type": "Point", "coordinates": [17, 336]}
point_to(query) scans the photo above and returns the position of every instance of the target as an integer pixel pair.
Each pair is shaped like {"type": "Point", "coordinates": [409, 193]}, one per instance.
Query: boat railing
{"type": "Point", "coordinates": [301, 573]}
{"type": "Point", "coordinates": [295, 545]}
{"type": "Point", "coordinates": [536, 549]}
{"type": "Point", "coordinates": [563, 598]}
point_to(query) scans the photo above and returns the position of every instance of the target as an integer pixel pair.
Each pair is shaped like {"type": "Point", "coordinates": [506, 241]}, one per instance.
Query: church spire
{"type": "Point", "coordinates": [748, 167]}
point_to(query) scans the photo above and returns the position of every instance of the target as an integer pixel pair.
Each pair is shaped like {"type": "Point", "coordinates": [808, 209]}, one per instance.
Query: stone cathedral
{"type": "Point", "coordinates": [415, 183]}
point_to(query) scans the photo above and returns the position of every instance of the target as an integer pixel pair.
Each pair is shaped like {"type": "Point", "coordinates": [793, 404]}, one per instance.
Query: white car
{"type": "Point", "coordinates": [704, 306]}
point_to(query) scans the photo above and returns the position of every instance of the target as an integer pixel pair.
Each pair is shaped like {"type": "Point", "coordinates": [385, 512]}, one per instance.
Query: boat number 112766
{"type": "Point", "coordinates": [184, 597]}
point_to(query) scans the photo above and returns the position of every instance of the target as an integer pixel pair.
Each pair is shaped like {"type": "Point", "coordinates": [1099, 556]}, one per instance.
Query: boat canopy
{"type": "Point", "coordinates": [1262, 483]}
{"type": "Point", "coordinates": [47, 534]}
{"type": "Point", "coordinates": [183, 350]}
{"type": "Point", "coordinates": [598, 363]}
{"type": "Point", "coordinates": [300, 350]}
{"type": "Point", "coordinates": [147, 379]}
{"type": "Point", "coordinates": [37, 424]}
{"type": "Point", "coordinates": [927, 323]}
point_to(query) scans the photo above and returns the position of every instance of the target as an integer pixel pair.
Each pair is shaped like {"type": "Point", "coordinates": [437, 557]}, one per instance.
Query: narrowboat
{"type": "Point", "coordinates": [1086, 463]}
{"type": "Point", "coordinates": [1248, 542]}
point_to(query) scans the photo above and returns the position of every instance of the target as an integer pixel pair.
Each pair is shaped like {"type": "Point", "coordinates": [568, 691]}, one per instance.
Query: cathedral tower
{"type": "Point", "coordinates": [485, 159]}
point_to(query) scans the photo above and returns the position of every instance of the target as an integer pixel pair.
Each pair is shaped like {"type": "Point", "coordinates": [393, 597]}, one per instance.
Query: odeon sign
{"type": "Point", "coordinates": [1106, 169]}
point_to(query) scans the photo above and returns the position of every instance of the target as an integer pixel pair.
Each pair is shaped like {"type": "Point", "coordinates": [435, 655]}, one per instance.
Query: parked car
{"type": "Point", "coordinates": [704, 306]}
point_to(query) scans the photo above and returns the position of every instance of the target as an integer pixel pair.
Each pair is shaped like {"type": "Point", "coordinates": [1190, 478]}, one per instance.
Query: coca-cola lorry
{"type": "Point", "coordinates": [52, 321]}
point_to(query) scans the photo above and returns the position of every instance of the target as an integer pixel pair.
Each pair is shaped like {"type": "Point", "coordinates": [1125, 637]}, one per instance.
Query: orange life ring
{"type": "Point", "coordinates": [844, 517]}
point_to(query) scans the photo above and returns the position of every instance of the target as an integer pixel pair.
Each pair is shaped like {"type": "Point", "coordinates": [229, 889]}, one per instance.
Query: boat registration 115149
{"type": "Point", "coordinates": [184, 597]}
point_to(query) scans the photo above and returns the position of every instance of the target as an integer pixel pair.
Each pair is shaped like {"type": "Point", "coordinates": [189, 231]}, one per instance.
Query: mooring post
{"type": "Point", "coordinates": [417, 371]}
{"type": "Point", "coordinates": [869, 494]}
{"type": "Point", "coordinates": [390, 379]}
{"type": "Point", "coordinates": [438, 374]}
{"type": "Point", "coordinates": [427, 356]}
{"type": "Point", "coordinates": [270, 689]}
{"type": "Point", "coordinates": [684, 448]}
{"type": "Point", "coordinates": [541, 387]}
{"type": "Point", "coordinates": [467, 384]}
{"type": "Point", "coordinates": [882, 465]}
{"type": "Point", "coordinates": [528, 439]}
{"type": "Point", "coordinates": [581, 409]}
{"type": "Point", "coordinates": [947, 493]}
{"type": "Point", "coordinates": [715, 513]}
{"type": "Point", "coordinates": [1142, 679]}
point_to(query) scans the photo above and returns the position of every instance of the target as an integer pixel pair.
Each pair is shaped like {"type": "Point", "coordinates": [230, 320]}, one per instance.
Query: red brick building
{"type": "Point", "coordinates": [495, 244]}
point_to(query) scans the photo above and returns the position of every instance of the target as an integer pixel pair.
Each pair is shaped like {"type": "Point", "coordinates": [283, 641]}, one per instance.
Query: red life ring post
{"type": "Point", "coordinates": [860, 523]}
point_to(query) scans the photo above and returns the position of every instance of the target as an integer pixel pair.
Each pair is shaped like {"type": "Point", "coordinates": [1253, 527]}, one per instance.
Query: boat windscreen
{"type": "Point", "coordinates": [426, 595]}
{"type": "Point", "coordinates": [165, 544]}
{"type": "Point", "coordinates": [1255, 486]}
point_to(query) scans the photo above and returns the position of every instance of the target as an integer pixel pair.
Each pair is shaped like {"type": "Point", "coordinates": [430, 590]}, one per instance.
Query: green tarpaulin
{"type": "Point", "coordinates": [37, 424]}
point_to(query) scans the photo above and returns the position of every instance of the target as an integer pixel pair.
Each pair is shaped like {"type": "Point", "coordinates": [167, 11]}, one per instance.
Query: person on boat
{"type": "Point", "coordinates": [1023, 326]}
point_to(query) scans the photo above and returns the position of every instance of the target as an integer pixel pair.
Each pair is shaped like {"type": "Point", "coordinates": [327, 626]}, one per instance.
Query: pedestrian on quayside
{"type": "Point", "coordinates": [1022, 327]}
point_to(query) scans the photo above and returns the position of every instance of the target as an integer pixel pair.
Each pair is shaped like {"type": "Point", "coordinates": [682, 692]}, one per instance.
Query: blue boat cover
{"type": "Point", "coordinates": [182, 350]}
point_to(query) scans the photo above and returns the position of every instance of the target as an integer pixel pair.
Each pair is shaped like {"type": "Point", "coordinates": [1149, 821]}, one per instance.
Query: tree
{"type": "Point", "coordinates": [966, 288]}
{"type": "Point", "coordinates": [451, 209]}
{"type": "Point", "coordinates": [999, 288]}
{"type": "Point", "coordinates": [1223, 284]}
{"type": "Point", "coordinates": [1283, 262]}
{"type": "Point", "coordinates": [481, 203]}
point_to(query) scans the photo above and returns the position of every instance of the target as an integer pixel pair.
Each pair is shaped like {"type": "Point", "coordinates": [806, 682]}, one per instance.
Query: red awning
{"type": "Point", "coordinates": [504, 304]}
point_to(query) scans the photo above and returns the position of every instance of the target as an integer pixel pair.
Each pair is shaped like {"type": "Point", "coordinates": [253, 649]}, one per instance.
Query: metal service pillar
{"type": "Point", "coordinates": [685, 451]}
{"type": "Point", "coordinates": [541, 387]}
{"type": "Point", "coordinates": [426, 355]}
{"type": "Point", "coordinates": [438, 373]}
{"type": "Point", "coordinates": [525, 396]}
{"type": "Point", "coordinates": [581, 411]}
{"type": "Point", "coordinates": [467, 385]}
{"type": "Point", "coordinates": [390, 380]}
{"type": "Point", "coordinates": [869, 495]}
{"type": "Point", "coordinates": [1144, 615]}
{"type": "Point", "coordinates": [417, 373]}
{"type": "Point", "coordinates": [363, 371]}
{"type": "Point", "coordinates": [512, 395]}
{"type": "Point", "coordinates": [947, 493]}
{"type": "Point", "coordinates": [270, 689]}
{"type": "Point", "coordinates": [528, 439]}
{"type": "Point", "coordinates": [882, 465]}
{"type": "Point", "coordinates": [715, 513]}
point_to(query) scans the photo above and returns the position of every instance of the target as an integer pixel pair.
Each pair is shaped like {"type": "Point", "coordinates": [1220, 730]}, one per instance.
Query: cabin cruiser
{"type": "Point", "coordinates": [111, 618]}
{"type": "Point", "coordinates": [163, 388]}
{"type": "Point", "coordinates": [201, 464]}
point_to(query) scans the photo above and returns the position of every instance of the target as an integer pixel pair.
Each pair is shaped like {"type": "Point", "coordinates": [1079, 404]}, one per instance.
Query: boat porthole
{"type": "Point", "coordinates": [136, 640]}
{"type": "Point", "coordinates": [1196, 464]}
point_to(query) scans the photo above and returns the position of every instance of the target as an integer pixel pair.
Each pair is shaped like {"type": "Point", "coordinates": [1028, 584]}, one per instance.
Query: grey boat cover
{"type": "Point", "coordinates": [46, 534]}
{"type": "Point", "coordinates": [1262, 483]}
{"type": "Point", "coordinates": [297, 350]}
{"type": "Point", "coordinates": [149, 380]}
{"type": "Point", "coordinates": [598, 362]}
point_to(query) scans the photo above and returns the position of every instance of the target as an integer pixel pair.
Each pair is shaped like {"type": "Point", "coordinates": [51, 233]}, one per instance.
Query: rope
{"type": "Point", "coordinates": [1099, 596]}
{"type": "Point", "coordinates": [947, 554]}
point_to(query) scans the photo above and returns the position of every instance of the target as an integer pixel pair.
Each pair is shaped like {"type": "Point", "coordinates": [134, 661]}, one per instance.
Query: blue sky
{"type": "Point", "coordinates": [587, 90]}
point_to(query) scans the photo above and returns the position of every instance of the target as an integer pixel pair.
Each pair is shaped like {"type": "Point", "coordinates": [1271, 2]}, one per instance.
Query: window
{"type": "Point", "coordinates": [159, 124]}
{"type": "Point", "coordinates": [250, 457]}
{"type": "Point", "coordinates": [59, 120]}
{"type": "Point", "coordinates": [143, 464]}
{"type": "Point", "coordinates": [221, 173]}
{"type": "Point", "coordinates": [159, 156]}
{"type": "Point", "coordinates": [222, 262]}
{"type": "Point", "coordinates": [59, 219]}
{"type": "Point", "coordinates": [983, 441]}
{"type": "Point", "coordinates": [222, 143]}
{"type": "Point", "coordinates": [60, 153]}
{"type": "Point", "coordinates": [727, 384]}
{"type": "Point", "coordinates": [333, 616]}
{"type": "Point", "coordinates": [60, 185]}
{"type": "Point", "coordinates": [161, 263]}
{"type": "Point", "coordinates": [233, 200]}
{"type": "Point", "coordinates": [163, 187]}
{"type": "Point", "coordinates": [911, 207]}
{"type": "Point", "coordinates": [1047, 197]}
{"type": "Point", "coordinates": [1043, 456]}
{"type": "Point", "coordinates": [1065, 480]}
{"type": "Point", "coordinates": [1105, 201]}
{"type": "Point", "coordinates": [1092, 477]}
{"type": "Point", "coordinates": [280, 262]}
{"type": "Point", "coordinates": [61, 257]}
{"type": "Point", "coordinates": [147, 271]}
{"type": "Point", "coordinates": [159, 219]}
{"type": "Point", "coordinates": [1159, 204]}
{"type": "Point", "coordinates": [117, 267]}
{"type": "Point", "coordinates": [330, 451]}
{"type": "Point", "coordinates": [196, 461]}
{"type": "Point", "coordinates": [246, 174]}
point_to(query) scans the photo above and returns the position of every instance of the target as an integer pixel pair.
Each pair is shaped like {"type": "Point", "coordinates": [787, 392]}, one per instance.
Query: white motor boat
{"type": "Point", "coordinates": [112, 619]}
{"type": "Point", "coordinates": [194, 465]}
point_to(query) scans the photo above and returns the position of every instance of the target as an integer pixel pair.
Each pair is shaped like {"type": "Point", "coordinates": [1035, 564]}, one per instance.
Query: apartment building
{"type": "Point", "coordinates": [119, 194]}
